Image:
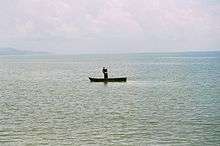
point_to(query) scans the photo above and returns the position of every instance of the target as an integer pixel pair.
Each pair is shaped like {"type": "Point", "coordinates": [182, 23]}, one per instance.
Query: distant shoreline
{"type": "Point", "coordinates": [12, 51]}
{"type": "Point", "coordinates": [15, 52]}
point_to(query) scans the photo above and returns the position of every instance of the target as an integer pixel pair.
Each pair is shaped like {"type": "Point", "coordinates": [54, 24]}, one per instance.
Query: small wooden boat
{"type": "Point", "coordinates": [124, 79]}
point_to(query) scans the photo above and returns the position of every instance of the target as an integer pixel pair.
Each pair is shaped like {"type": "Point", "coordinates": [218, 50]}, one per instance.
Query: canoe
{"type": "Point", "coordinates": [124, 79]}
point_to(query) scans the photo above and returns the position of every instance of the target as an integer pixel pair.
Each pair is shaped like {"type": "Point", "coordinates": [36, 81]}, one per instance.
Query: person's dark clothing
{"type": "Point", "coordinates": [106, 75]}
{"type": "Point", "coordinates": [105, 72]}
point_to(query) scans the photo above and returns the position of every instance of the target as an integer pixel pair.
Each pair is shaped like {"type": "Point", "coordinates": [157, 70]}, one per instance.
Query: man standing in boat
{"type": "Point", "coordinates": [105, 72]}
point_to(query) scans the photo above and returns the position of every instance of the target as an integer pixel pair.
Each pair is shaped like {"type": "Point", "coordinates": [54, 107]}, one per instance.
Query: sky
{"type": "Point", "coordinates": [110, 26]}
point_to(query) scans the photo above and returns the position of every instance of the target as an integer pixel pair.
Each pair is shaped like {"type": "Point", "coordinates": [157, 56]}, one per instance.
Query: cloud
{"type": "Point", "coordinates": [152, 25]}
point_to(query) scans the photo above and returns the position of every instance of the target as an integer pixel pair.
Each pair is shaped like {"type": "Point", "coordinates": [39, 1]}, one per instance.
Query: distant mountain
{"type": "Point", "coordinates": [12, 51]}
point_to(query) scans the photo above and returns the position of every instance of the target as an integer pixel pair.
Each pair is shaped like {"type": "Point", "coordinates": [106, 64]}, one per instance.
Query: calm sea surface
{"type": "Point", "coordinates": [169, 99]}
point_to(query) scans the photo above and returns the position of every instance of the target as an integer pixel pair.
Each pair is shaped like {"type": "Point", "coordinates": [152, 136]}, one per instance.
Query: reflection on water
{"type": "Point", "coordinates": [168, 100]}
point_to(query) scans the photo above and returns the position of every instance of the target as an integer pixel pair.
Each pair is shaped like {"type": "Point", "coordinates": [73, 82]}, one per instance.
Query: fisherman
{"type": "Point", "coordinates": [105, 72]}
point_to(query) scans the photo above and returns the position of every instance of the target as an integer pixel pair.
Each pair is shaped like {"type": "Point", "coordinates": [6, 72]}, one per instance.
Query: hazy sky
{"type": "Point", "coordinates": [106, 26]}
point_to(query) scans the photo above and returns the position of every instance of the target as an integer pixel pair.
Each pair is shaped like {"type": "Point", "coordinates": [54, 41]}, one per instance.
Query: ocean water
{"type": "Point", "coordinates": [169, 99]}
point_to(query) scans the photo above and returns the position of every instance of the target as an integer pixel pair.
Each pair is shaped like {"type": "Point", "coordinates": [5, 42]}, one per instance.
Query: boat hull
{"type": "Point", "coordinates": [124, 79]}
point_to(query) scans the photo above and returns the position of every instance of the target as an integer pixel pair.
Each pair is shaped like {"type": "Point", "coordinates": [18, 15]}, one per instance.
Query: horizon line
{"type": "Point", "coordinates": [103, 53]}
